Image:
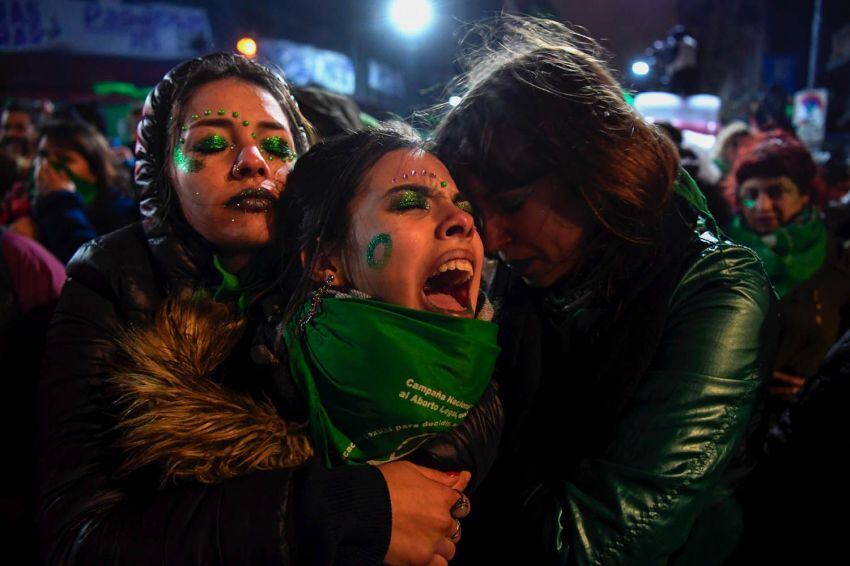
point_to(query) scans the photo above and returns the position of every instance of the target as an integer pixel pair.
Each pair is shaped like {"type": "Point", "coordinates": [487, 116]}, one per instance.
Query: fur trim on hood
{"type": "Point", "coordinates": [176, 416]}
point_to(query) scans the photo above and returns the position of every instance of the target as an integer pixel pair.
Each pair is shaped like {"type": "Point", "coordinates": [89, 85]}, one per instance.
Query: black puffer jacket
{"type": "Point", "coordinates": [89, 514]}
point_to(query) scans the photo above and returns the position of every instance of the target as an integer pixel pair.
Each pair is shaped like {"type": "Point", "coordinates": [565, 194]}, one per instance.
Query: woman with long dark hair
{"type": "Point", "coordinates": [81, 193]}
{"type": "Point", "coordinates": [634, 338]}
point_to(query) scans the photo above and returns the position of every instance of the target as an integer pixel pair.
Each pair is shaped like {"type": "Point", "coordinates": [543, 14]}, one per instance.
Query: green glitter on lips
{"type": "Point", "coordinates": [277, 146]}
{"type": "Point", "coordinates": [382, 239]}
{"type": "Point", "coordinates": [185, 163]}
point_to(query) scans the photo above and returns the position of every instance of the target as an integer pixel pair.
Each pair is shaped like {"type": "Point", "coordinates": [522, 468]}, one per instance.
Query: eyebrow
{"type": "Point", "coordinates": [228, 122]}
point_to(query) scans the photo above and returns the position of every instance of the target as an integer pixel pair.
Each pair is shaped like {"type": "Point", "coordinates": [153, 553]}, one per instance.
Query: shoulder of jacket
{"type": "Point", "coordinates": [119, 266]}
{"type": "Point", "coordinates": [715, 263]}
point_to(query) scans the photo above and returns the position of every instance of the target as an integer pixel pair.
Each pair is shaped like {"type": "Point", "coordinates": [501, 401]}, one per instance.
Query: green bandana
{"type": "Point", "coordinates": [240, 290]}
{"type": "Point", "coordinates": [86, 190]}
{"type": "Point", "coordinates": [791, 254]}
{"type": "Point", "coordinates": [381, 379]}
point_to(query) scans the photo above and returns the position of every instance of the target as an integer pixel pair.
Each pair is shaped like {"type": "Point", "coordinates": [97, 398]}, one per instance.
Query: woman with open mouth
{"type": "Point", "coordinates": [386, 334]}
{"type": "Point", "coordinates": [151, 465]}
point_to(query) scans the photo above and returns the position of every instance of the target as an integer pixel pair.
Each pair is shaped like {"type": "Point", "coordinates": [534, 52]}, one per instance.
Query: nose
{"type": "Point", "coordinates": [250, 163]}
{"type": "Point", "coordinates": [764, 203]}
{"type": "Point", "coordinates": [456, 224]}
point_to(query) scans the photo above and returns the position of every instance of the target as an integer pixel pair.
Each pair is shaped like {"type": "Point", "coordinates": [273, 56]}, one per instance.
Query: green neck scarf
{"type": "Point", "coordinates": [86, 189]}
{"type": "Point", "coordinates": [791, 254]}
{"type": "Point", "coordinates": [239, 289]}
{"type": "Point", "coordinates": [381, 379]}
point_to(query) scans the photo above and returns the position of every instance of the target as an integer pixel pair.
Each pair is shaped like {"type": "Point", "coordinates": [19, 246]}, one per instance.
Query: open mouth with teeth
{"type": "Point", "coordinates": [447, 290]}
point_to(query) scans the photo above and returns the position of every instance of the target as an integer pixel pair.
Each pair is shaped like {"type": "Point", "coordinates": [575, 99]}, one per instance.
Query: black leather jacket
{"type": "Point", "coordinates": [88, 516]}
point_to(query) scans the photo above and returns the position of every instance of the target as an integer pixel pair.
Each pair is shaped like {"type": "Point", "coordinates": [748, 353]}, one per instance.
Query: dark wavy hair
{"type": "Point", "coordinates": [86, 140]}
{"type": "Point", "coordinates": [774, 154]}
{"type": "Point", "coordinates": [315, 207]}
{"type": "Point", "coordinates": [539, 100]}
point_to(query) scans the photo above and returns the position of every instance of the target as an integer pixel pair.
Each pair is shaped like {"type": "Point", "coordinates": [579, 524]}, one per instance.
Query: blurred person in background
{"type": "Point", "coordinates": [700, 169]}
{"type": "Point", "coordinates": [30, 282]}
{"type": "Point", "coordinates": [80, 191]}
{"type": "Point", "coordinates": [727, 145]}
{"type": "Point", "coordinates": [18, 130]}
{"type": "Point", "coordinates": [774, 184]}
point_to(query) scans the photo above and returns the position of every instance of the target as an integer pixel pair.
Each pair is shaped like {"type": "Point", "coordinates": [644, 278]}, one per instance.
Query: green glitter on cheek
{"type": "Point", "coordinates": [185, 163]}
{"type": "Point", "coordinates": [749, 203]}
{"type": "Point", "coordinates": [246, 123]}
{"type": "Point", "coordinates": [385, 243]}
{"type": "Point", "coordinates": [444, 184]}
{"type": "Point", "coordinates": [236, 114]}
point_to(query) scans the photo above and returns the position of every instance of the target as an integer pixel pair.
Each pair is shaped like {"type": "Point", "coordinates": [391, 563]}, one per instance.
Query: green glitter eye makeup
{"type": "Point", "coordinates": [379, 250]}
{"type": "Point", "coordinates": [207, 112]}
{"type": "Point", "coordinates": [211, 144]}
{"type": "Point", "coordinates": [409, 199]}
{"type": "Point", "coordinates": [278, 147]}
{"type": "Point", "coordinates": [221, 112]}
{"type": "Point", "coordinates": [185, 163]}
{"type": "Point", "coordinates": [465, 206]}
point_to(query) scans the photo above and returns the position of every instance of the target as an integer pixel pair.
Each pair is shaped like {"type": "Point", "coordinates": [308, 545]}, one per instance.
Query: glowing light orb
{"type": "Point", "coordinates": [640, 68]}
{"type": "Point", "coordinates": [411, 17]}
{"type": "Point", "coordinates": [247, 47]}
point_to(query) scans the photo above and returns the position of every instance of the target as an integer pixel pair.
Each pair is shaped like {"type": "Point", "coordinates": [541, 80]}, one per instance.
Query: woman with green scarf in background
{"type": "Point", "coordinates": [773, 181]}
{"type": "Point", "coordinates": [80, 192]}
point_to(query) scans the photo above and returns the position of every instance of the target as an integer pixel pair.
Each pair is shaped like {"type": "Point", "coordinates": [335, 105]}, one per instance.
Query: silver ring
{"type": "Point", "coordinates": [461, 507]}
{"type": "Point", "coordinates": [456, 534]}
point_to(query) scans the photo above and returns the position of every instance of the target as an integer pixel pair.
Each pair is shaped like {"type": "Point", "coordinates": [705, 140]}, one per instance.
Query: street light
{"type": "Point", "coordinates": [247, 47]}
{"type": "Point", "coordinates": [411, 17]}
{"type": "Point", "coordinates": [640, 68]}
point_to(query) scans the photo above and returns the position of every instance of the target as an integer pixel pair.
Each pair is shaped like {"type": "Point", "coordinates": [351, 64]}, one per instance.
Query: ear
{"type": "Point", "coordinates": [325, 264]}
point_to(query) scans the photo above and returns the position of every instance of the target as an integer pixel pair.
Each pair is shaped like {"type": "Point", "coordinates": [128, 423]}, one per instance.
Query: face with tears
{"type": "Point", "coordinates": [412, 239]}
{"type": "Point", "coordinates": [233, 150]}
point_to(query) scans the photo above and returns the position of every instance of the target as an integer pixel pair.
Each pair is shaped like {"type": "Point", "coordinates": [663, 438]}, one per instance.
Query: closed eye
{"type": "Point", "coordinates": [212, 143]}
{"type": "Point", "coordinates": [409, 199]}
